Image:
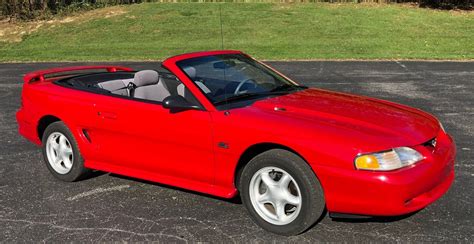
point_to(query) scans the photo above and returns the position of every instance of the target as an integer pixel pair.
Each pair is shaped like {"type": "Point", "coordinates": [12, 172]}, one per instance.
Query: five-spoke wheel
{"type": "Point", "coordinates": [275, 195]}
{"type": "Point", "coordinates": [281, 192]}
{"type": "Point", "coordinates": [61, 153]}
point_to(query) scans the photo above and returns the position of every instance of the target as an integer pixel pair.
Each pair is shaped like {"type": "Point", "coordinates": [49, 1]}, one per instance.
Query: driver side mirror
{"type": "Point", "coordinates": [176, 103]}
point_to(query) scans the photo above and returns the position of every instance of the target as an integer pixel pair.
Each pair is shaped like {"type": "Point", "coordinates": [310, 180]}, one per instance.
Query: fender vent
{"type": "Point", "coordinates": [86, 135]}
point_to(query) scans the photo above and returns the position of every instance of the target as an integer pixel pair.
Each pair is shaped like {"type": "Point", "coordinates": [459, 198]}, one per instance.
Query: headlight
{"type": "Point", "coordinates": [388, 160]}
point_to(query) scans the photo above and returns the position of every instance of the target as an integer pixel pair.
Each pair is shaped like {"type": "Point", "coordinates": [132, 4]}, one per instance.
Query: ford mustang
{"type": "Point", "coordinates": [225, 124]}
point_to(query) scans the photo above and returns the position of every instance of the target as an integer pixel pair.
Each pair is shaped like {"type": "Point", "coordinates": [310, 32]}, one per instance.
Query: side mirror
{"type": "Point", "coordinates": [177, 103]}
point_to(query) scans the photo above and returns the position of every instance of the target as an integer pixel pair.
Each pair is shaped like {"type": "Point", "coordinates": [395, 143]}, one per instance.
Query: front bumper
{"type": "Point", "coordinates": [391, 193]}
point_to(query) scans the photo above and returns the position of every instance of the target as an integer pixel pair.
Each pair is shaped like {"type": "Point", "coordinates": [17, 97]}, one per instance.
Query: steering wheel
{"type": "Point", "coordinates": [237, 90]}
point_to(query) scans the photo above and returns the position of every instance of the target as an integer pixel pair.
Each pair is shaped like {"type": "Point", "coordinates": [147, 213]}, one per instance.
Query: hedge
{"type": "Point", "coordinates": [31, 9]}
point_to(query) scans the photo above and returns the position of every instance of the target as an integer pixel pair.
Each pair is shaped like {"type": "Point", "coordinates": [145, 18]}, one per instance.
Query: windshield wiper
{"type": "Point", "coordinates": [275, 91]}
{"type": "Point", "coordinates": [241, 97]}
{"type": "Point", "coordinates": [287, 87]}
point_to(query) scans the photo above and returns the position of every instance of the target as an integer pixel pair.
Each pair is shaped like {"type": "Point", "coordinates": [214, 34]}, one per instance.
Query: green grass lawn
{"type": "Point", "coordinates": [153, 31]}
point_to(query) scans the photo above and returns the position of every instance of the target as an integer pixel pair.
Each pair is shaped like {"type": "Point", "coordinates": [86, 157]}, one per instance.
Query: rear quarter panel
{"type": "Point", "coordinates": [73, 107]}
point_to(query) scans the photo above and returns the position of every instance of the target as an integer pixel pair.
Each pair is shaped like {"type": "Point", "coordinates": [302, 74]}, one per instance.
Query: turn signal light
{"type": "Point", "coordinates": [367, 162]}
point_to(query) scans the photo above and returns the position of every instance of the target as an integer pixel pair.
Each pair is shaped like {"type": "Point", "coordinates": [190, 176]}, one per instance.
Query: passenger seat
{"type": "Point", "coordinates": [117, 87]}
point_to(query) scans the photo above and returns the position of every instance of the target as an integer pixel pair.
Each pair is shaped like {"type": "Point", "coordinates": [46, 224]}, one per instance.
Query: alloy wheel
{"type": "Point", "coordinates": [275, 195]}
{"type": "Point", "coordinates": [59, 153]}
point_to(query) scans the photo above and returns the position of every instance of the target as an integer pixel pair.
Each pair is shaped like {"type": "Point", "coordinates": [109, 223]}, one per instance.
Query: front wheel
{"type": "Point", "coordinates": [281, 192]}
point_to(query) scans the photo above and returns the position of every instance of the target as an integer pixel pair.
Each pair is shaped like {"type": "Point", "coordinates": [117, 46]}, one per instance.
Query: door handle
{"type": "Point", "coordinates": [107, 115]}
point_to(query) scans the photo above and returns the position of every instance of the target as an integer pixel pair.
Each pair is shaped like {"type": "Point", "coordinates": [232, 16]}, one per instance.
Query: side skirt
{"type": "Point", "coordinates": [163, 179]}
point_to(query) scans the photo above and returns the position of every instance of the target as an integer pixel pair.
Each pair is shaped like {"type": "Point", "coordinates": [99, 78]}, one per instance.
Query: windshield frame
{"type": "Point", "coordinates": [230, 102]}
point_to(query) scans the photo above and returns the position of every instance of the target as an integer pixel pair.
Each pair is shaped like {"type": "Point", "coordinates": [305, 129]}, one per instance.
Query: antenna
{"type": "Point", "coordinates": [222, 31]}
{"type": "Point", "coordinates": [222, 47]}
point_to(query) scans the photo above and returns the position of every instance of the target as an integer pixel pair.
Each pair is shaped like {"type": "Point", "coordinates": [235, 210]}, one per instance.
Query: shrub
{"type": "Point", "coordinates": [448, 4]}
{"type": "Point", "coordinates": [31, 9]}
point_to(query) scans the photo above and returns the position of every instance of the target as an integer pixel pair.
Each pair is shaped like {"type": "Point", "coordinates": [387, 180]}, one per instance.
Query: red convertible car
{"type": "Point", "coordinates": [224, 124]}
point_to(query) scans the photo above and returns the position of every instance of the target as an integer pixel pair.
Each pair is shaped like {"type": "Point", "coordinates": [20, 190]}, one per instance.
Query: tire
{"type": "Point", "coordinates": [61, 153]}
{"type": "Point", "coordinates": [260, 199]}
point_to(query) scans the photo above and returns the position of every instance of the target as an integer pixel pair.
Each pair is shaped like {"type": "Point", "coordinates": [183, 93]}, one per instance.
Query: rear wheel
{"type": "Point", "coordinates": [61, 153]}
{"type": "Point", "coordinates": [281, 192]}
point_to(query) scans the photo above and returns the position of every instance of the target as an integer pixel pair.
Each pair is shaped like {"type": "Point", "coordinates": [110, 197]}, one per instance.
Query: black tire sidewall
{"type": "Point", "coordinates": [313, 203]}
{"type": "Point", "coordinates": [77, 170]}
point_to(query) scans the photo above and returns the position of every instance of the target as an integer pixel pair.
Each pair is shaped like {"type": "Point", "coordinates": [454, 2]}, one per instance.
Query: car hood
{"type": "Point", "coordinates": [385, 120]}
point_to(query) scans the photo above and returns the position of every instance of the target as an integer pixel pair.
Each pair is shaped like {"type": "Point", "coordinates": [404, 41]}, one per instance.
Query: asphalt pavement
{"type": "Point", "coordinates": [36, 207]}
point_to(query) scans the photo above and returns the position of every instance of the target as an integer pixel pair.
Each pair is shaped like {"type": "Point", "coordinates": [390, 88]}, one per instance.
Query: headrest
{"type": "Point", "coordinates": [145, 78]}
{"type": "Point", "coordinates": [190, 71]}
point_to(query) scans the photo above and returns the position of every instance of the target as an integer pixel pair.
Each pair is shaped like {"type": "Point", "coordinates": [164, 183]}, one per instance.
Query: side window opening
{"type": "Point", "coordinates": [148, 85]}
{"type": "Point", "coordinates": [176, 87]}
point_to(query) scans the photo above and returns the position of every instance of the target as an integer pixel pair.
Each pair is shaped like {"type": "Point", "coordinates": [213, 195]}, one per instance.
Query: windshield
{"type": "Point", "coordinates": [234, 77]}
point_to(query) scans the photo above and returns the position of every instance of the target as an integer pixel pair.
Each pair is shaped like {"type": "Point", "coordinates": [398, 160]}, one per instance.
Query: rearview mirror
{"type": "Point", "coordinates": [224, 64]}
{"type": "Point", "coordinates": [177, 103]}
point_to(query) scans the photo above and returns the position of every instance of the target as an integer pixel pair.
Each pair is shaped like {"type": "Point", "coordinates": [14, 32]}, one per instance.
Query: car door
{"type": "Point", "coordinates": [142, 139]}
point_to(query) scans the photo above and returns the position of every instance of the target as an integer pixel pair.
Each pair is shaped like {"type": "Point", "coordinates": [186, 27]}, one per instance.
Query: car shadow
{"type": "Point", "coordinates": [236, 200]}
{"type": "Point", "coordinates": [93, 174]}
{"type": "Point", "coordinates": [372, 219]}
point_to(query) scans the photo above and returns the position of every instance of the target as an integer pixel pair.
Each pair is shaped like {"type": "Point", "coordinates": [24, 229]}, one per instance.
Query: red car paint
{"type": "Point", "coordinates": [327, 129]}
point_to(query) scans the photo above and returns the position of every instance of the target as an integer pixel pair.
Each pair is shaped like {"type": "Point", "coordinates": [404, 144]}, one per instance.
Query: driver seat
{"type": "Point", "coordinates": [191, 72]}
{"type": "Point", "coordinates": [149, 86]}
